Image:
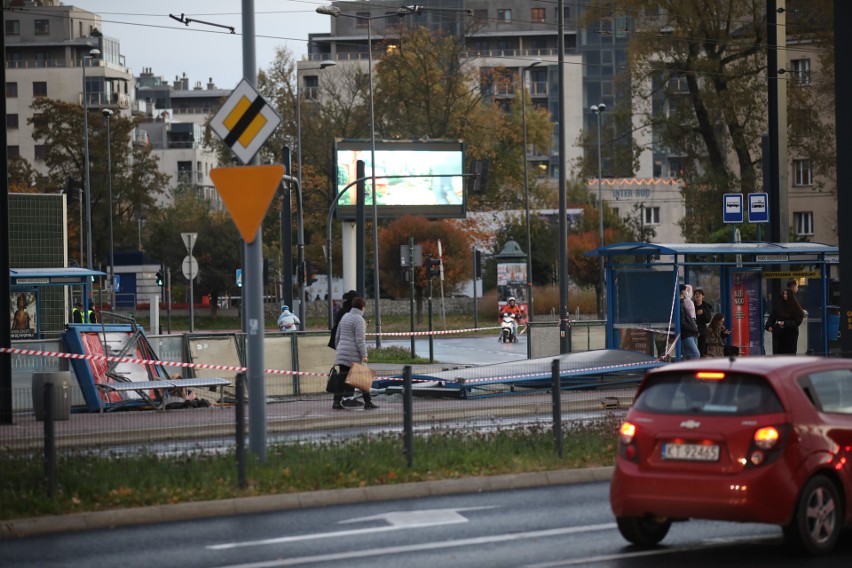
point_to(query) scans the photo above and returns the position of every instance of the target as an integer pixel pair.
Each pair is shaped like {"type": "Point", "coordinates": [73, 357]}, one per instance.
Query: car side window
{"type": "Point", "coordinates": [830, 391]}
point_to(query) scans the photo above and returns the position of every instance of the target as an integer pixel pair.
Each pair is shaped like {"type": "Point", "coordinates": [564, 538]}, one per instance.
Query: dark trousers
{"type": "Point", "coordinates": [348, 390]}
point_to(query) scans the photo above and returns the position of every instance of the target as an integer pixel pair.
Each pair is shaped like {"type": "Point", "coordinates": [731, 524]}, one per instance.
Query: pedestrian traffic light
{"type": "Point", "coordinates": [433, 266]}
{"type": "Point", "coordinates": [159, 278]}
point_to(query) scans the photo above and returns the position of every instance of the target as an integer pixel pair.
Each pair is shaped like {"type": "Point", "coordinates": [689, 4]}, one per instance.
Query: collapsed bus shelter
{"type": "Point", "coordinates": [740, 280]}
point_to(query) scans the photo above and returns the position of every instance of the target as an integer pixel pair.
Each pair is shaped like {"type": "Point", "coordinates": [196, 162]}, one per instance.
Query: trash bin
{"type": "Point", "coordinates": [60, 399]}
{"type": "Point", "coordinates": [833, 323]}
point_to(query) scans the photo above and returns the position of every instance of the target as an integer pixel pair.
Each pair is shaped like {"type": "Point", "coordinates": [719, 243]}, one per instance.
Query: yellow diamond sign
{"type": "Point", "coordinates": [245, 121]}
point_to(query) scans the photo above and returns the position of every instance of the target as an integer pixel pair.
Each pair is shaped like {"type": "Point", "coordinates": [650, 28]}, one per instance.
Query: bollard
{"type": "Point", "coordinates": [241, 430]}
{"type": "Point", "coordinates": [556, 393]}
{"type": "Point", "coordinates": [49, 439]}
{"type": "Point", "coordinates": [408, 415]}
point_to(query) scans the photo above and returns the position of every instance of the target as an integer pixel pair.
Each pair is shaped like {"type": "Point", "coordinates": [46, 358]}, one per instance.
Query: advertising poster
{"type": "Point", "coordinates": [512, 283]}
{"type": "Point", "coordinates": [24, 315]}
{"type": "Point", "coordinates": [746, 320]}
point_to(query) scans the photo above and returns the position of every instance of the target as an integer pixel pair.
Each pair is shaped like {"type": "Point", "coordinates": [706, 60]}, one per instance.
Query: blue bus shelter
{"type": "Point", "coordinates": [740, 280]}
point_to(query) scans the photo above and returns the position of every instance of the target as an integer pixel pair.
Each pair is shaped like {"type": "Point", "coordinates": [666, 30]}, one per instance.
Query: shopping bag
{"type": "Point", "coordinates": [361, 377]}
{"type": "Point", "coordinates": [335, 381]}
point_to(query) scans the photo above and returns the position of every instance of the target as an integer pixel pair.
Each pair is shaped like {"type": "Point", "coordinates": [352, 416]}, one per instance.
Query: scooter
{"type": "Point", "coordinates": [507, 329]}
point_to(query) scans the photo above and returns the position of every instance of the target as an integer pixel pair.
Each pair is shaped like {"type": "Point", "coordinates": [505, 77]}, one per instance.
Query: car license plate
{"type": "Point", "coordinates": [691, 452]}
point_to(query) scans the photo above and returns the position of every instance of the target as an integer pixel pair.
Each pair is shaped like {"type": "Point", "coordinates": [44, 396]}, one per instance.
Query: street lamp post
{"type": "Point", "coordinates": [107, 115]}
{"type": "Point", "coordinates": [300, 224]}
{"type": "Point", "coordinates": [403, 11]}
{"type": "Point", "coordinates": [92, 54]}
{"type": "Point", "coordinates": [527, 197]}
{"type": "Point", "coordinates": [599, 110]}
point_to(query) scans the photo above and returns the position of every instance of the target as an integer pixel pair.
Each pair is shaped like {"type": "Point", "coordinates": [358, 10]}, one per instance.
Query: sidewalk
{"type": "Point", "coordinates": [18, 528]}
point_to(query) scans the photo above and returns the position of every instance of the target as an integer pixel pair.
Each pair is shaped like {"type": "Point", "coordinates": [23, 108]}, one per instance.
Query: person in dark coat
{"type": "Point", "coordinates": [703, 315]}
{"type": "Point", "coordinates": [342, 311]}
{"type": "Point", "coordinates": [783, 322]}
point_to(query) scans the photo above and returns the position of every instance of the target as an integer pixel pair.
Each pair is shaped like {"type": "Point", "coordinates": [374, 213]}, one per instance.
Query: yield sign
{"type": "Point", "coordinates": [247, 193]}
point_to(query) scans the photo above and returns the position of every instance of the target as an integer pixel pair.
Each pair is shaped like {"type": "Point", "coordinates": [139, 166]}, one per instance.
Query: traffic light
{"type": "Point", "coordinates": [159, 278]}
{"type": "Point", "coordinates": [310, 273]}
{"type": "Point", "coordinates": [433, 266]}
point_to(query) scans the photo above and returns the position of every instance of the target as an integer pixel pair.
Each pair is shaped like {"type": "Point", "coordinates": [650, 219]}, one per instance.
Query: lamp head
{"type": "Point", "coordinates": [94, 52]}
{"type": "Point", "coordinates": [329, 10]}
{"type": "Point", "coordinates": [598, 109]}
{"type": "Point", "coordinates": [107, 113]}
{"type": "Point", "coordinates": [534, 63]}
{"type": "Point", "coordinates": [327, 63]}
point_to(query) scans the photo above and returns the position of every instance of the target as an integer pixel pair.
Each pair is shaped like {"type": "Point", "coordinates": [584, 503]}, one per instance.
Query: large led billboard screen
{"type": "Point", "coordinates": [407, 181]}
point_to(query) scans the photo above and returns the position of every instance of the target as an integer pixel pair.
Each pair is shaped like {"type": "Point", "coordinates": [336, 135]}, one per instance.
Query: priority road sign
{"type": "Point", "coordinates": [732, 208]}
{"type": "Point", "coordinates": [245, 121]}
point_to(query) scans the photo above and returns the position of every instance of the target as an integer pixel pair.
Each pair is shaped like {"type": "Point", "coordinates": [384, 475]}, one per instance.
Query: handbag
{"type": "Point", "coordinates": [361, 377]}
{"type": "Point", "coordinates": [335, 382]}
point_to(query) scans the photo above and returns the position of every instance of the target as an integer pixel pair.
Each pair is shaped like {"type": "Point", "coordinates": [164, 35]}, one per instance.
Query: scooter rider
{"type": "Point", "coordinates": [513, 309]}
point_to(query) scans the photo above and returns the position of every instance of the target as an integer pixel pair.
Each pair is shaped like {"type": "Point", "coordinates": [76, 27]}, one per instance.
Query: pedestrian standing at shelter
{"type": "Point", "coordinates": [688, 327]}
{"type": "Point", "coordinates": [783, 322]}
{"type": "Point", "coordinates": [77, 313]}
{"type": "Point", "coordinates": [716, 335]}
{"type": "Point", "coordinates": [351, 347]}
{"type": "Point", "coordinates": [703, 315]}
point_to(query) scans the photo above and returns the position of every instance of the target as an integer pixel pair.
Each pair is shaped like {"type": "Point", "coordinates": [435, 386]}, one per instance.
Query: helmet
{"type": "Point", "coordinates": [512, 299]}
{"type": "Point", "coordinates": [285, 307]}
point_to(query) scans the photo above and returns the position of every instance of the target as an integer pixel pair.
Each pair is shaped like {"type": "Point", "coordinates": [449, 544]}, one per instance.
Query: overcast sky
{"type": "Point", "coordinates": [150, 38]}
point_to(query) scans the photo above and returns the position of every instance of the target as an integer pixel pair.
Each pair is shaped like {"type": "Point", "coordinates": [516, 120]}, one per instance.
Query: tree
{"type": "Point", "coordinates": [217, 248]}
{"type": "Point", "coordinates": [136, 178]}
{"type": "Point", "coordinates": [428, 88]}
{"type": "Point", "coordinates": [703, 71]}
{"type": "Point", "coordinates": [456, 246]}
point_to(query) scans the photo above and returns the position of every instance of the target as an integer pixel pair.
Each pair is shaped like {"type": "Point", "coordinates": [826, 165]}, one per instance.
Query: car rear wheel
{"type": "Point", "coordinates": [815, 527]}
{"type": "Point", "coordinates": [643, 531]}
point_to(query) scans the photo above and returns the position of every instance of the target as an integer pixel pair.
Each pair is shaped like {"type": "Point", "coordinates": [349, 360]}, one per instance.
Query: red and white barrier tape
{"type": "Point", "coordinates": [447, 332]}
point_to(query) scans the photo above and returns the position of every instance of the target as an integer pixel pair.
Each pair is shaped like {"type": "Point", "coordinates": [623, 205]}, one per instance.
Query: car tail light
{"type": "Point", "coordinates": [767, 444]}
{"type": "Point", "coordinates": [766, 438]}
{"type": "Point", "coordinates": [626, 432]}
{"type": "Point", "coordinates": [627, 449]}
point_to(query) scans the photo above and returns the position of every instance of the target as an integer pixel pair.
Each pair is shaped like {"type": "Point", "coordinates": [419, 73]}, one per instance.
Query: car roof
{"type": "Point", "coordinates": [761, 365]}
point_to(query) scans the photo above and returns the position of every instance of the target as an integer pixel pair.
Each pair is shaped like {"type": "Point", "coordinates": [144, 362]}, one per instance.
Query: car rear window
{"type": "Point", "coordinates": [731, 394]}
{"type": "Point", "coordinates": [830, 391]}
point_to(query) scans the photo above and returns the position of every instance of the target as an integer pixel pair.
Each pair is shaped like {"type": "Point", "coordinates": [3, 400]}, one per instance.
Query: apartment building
{"type": "Point", "coordinates": [49, 49]}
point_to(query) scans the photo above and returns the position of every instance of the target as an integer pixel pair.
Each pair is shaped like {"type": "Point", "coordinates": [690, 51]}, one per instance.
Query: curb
{"type": "Point", "coordinates": [18, 528]}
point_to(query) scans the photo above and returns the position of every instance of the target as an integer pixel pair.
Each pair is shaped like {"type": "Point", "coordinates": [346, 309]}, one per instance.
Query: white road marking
{"type": "Point", "coordinates": [501, 538]}
{"type": "Point", "coordinates": [397, 520]}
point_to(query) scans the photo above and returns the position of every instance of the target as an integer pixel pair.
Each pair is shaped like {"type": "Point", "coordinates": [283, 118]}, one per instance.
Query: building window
{"type": "Point", "coordinates": [802, 71]}
{"type": "Point", "coordinates": [42, 27]}
{"type": "Point", "coordinates": [39, 88]}
{"type": "Point", "coordinates": [13, 27]}
{"type": "Point", "coordinates": [652, 215]}
{"type": "Point", "coordinates": [537, 15]}
{"type": "Point", "coordinates": [11, 121]}
{"type": "Point", "coordinates": [11, 90]}
{"type": "Point", "coordinates": [13, 152]}
{"type": "Point", "coordinates": [804, 223]}
{"type": "Point", "coordinates": [803, 175]}
{"type": "Point", "coordinates": [362, 20]}
{"type": "Point", "coordinates": [566, 13]}
{"type": "Point", "coordinates": [504, 15]}
{"type": "Point", "coordinates": [40, 152]}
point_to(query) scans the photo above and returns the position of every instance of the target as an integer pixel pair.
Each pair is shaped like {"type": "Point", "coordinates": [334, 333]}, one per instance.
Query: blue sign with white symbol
{"type": "Point", "coordinates": [240, 277]}
{"type": "Point", "coordinates": [758, 207]}
{"type": "Point", "coordinates": [732, 208]}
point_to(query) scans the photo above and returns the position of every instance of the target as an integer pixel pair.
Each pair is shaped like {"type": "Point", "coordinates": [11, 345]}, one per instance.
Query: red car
{"type": "Point", "coordinates": [752, 439]}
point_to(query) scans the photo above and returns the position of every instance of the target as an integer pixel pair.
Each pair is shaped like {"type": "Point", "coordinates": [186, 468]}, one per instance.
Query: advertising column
{"type": "Point", "coordinates": [746, 319]}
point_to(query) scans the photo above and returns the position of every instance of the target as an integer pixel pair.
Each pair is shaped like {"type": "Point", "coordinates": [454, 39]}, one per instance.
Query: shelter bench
{"type": "Point", "coordinates": [164, 385]}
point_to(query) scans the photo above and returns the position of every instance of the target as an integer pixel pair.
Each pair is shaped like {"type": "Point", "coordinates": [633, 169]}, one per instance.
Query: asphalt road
{"type": "Point", "coordinates": [466, 350]}
{"type": "Point", "coordinates": [562, 525]}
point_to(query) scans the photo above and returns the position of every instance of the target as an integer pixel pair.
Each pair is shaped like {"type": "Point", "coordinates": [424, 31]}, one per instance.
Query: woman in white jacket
{"type": "Point", "coordinates": [351, 347]}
